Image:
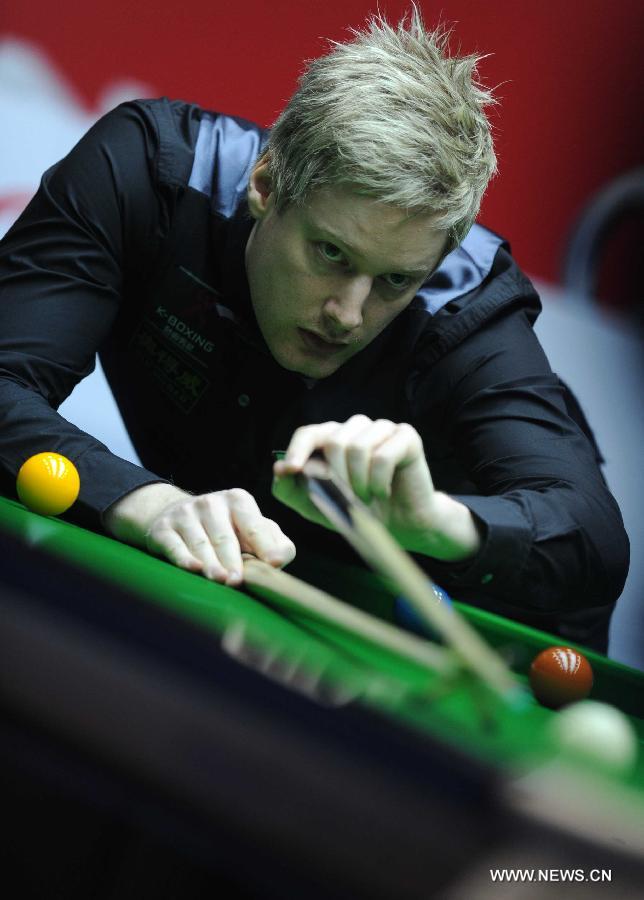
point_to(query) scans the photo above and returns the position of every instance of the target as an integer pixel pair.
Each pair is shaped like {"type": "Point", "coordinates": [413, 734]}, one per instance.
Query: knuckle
{"type": "Point", "coordinates": [203, 502]}
{"type": "Point", "coordinates": [278, 534]}
{"type": "Point", "coordinates": [302, 431]}
{"type": "Point", "coordinates": [177, 513]}
{"type": "Point", "coordinates": [160, 530]}
{"type": "Point", "coordinates": [183, 519]}
{"type": "Point", "coordinates": [239, 496]}
{"type": "Point", "coordinates": [409, 431]}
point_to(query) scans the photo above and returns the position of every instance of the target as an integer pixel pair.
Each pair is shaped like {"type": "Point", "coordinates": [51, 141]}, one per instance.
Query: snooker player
{"type": "Point", "coordinates": [322, 286]}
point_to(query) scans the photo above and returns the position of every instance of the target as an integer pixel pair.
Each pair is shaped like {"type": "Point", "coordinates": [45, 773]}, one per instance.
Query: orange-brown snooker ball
{"type": "Point", "coordinates": [560, 675]}
{"type": "Point", "coordinates": [48, 483]}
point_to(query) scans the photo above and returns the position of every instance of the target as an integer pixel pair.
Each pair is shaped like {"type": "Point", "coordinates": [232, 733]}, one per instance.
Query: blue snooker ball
{"type": "Point", "coordinates": [406, 616]}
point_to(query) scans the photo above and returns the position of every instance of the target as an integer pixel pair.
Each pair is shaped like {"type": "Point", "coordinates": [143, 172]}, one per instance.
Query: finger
{"type": "Point", "coordinates": [208, 549]}
{"type": "Point", "coordinates": [337, 445]}
{"type": "Point", "coordinates": [164, 540]}
{"type": "Point", "coordinates": [304, 442]}
{"type": "Point", "coordinates": [283, 549]}
{"type": "Point", "coordinates": [256, 534]}
{"type": "Point", "coordinates": [215, 515]}
{"type": "Point", "coordinates": [359, 456]}
{"type": "Point", "coordinates": [403, 447]}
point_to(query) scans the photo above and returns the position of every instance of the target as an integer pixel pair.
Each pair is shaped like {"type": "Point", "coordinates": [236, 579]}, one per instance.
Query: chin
{"type": "Point", "coordinates": [319, 371]}
{"type": "Point", "coordinates": [311, 368]}
{"type": "Point", "coordinates": [315, 369]}
{"type": "Point", "coordinates": [305, 365]}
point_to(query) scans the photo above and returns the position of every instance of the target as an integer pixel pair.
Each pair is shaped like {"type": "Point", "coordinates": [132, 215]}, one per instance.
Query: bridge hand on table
{"type": "Point", "coordinates": [206, 533]}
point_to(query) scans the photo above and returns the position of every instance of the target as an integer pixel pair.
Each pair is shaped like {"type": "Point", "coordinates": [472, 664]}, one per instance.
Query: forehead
{"type": "Point", "coordinates": [376, 233]}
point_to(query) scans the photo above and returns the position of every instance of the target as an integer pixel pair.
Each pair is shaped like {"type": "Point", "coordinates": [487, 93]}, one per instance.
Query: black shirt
{"type": "Point", "coordinates": [133, 247]}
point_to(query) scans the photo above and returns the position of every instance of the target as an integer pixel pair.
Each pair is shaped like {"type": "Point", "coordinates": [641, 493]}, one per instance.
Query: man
{"type": "Point", "coordinates": [319, 288]}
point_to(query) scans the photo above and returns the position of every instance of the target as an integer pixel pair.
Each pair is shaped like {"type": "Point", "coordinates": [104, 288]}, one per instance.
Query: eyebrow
{"type": "Point", "coordinates": [336, 239]}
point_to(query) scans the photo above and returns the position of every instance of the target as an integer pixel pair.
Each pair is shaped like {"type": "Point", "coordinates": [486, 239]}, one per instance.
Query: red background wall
{"type": "Point", "coordinates": [569, 75]}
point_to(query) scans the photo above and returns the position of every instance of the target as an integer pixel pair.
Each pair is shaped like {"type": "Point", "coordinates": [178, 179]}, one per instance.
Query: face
{"type": "Point", "coordinates": [327, 278]}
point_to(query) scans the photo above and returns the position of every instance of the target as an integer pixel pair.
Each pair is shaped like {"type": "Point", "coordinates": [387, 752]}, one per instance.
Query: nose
{"type": "Point", "coordinates": [344, 308]}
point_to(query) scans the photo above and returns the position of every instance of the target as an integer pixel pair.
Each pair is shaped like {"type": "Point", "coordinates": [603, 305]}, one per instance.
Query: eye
{"type": "Point", "coordinates": [331, 253]}
{"type": "Point", "coordinates": [396, 281]}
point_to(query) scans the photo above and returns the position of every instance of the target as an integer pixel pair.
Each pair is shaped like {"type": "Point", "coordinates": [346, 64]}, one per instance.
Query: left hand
{"type": "Point", "coordinates": [384, 464]}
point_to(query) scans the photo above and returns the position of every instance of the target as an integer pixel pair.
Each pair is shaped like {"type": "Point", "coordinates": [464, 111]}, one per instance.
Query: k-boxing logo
{"type": "Point", "coordinates": [179, 326]}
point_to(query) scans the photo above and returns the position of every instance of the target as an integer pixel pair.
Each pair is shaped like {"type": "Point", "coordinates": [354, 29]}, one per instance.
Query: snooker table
{"type": "Point", "coordinates": [156, 722]}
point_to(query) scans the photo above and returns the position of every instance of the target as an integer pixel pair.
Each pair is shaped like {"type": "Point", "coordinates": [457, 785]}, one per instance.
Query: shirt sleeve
{"type": "Point", "coordinates": [62, 271]}
{"type": "Point", "coordinates": [553, 537]}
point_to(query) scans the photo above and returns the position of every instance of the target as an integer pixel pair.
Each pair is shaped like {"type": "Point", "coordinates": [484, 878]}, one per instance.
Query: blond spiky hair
{"type": "Point", "coordinates": [393, 116]}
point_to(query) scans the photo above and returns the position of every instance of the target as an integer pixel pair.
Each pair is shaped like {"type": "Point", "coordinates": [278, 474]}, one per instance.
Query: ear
{"type": "Point", "coordinates": [260, 189]}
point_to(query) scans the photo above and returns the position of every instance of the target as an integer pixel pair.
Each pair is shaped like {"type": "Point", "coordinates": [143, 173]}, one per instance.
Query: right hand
{"type": "Point", "coordinates": [205, 533]}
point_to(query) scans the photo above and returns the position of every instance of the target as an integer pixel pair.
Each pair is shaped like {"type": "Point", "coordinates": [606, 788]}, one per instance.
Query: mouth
{"type": "Point", "coordinates": [320, 345]}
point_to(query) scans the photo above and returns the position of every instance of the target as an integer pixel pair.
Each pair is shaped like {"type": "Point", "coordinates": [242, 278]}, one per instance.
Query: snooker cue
{"type": "Point", "coordinates": [295, 594]}
{"type": "Point", "coordinates": [371, 540]}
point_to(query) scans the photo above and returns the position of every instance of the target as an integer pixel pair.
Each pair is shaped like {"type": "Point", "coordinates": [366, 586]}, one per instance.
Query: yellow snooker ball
{"type": "Point", "coordinates": [48, 483]}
